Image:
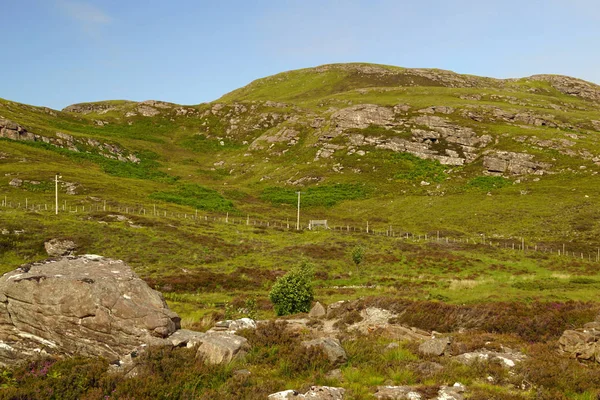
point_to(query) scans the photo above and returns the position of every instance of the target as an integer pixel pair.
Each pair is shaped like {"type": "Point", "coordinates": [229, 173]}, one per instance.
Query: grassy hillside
{"type": "Point", "coordinates": [477, 194]}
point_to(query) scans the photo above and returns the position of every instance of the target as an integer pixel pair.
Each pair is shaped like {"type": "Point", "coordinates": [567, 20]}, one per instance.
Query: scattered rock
{"type": "Point", "coordinates": [317, 311]}
{"type": "Point", "coordinates": [315, 392]}
{"type": "Point", "coordinates": [583, 343]}
{"type": "Point", "coordinates": [331, 347]}
{"type": "Point", "coordinates": [59, 248]}
{"type": "Point", "coordinates": [16, 182]}
{"type": "Point", "coordinates": [233, 326]}
{"type": "Point", "coordinates": [397, 393]}
{"type": "Point", "coordinates": [222, 347]}
{"type": "Point", "coordinates": [429, 368]}
{"type": "Point", "coordinates": [335, 374]}
{"type": "Point", "coordinates": [436, 346]}
{"type": "Point", "coordinates": [242, 372]}
{"type": "Point", "coordinates": [508, 360]}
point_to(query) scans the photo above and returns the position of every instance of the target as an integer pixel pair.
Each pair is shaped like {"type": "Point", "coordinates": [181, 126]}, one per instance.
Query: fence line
{"type": "Point", "coordinates": [367, 229]}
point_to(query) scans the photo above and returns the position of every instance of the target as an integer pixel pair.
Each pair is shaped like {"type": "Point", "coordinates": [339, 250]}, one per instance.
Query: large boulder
{"type": "Point", "coordinates": [89, 305]}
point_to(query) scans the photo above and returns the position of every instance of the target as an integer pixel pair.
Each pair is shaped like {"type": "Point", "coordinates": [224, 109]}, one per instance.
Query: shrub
{"type": "Point", "coordinates": [293, 292]}
{"type": "Point", "coordinates": [358, 254]}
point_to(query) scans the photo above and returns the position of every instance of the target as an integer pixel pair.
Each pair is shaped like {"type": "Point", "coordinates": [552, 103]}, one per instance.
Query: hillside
{"type": "Point", "coordinates": [424, 150]}
{"type": "Point", "coordinates": [474, 200]}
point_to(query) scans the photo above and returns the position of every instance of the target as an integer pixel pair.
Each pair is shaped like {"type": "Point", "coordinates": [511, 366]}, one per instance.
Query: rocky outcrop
{"type": "Point", "coordinates": [583, 343]}
{"type": "Point", "coordinates": [90, 305]}
{"type": "Point", "coordinates": [362, 116]}
{"type": "Point", "coordinates": [13, 131]}
{"type": "Point", "coordinates": [88, 108]}
{"type": "Point", "coordinates": [315, 392]}
{"type": "Point", "coordinates": [507, 162]}
{"type": "Point", "coordinates": [571, 86]}
{"type": "Point", "coordinates": [288, 136]}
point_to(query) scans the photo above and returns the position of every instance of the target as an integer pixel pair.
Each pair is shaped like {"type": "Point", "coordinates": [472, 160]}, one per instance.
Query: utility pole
{"type": "Point", "coordinates": [56, 177]}
{"type": "Point", "coordinates": [298, 218]}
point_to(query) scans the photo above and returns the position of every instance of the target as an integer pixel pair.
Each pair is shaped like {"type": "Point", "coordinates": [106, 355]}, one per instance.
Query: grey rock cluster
{"type": "Point", "coordinates": [315, 392]}
{"type": "Point", "coordinates": [507, 162]}
{"type": "Point", "coordinates": [582, 343]}
{"type": "Point", "coordinates": [454, 392]}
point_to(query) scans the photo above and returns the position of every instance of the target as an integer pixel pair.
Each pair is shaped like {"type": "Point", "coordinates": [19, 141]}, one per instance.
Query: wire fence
{"type": "Point", "coordinates": [521, 244]}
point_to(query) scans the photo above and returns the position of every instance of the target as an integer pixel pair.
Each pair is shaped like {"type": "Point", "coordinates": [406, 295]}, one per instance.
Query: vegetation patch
{"type": "Point", "coordinates": [414, 169]}
{"type": "Point", "coordinates": [195, 196]}
{"type": "Point", "coordinates": [203, 144]}
{"type": "Point", "coordinates": [487, 183]}
{"type": "Point", "coordinates": [326, 196]}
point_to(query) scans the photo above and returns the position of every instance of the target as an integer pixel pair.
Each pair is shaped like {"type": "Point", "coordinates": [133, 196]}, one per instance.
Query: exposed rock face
{"type": "Point", "coordinates": [332, 348]}
{"type": "Point", "coordinates": [288, 136]}
{"type": "Point", "coordinates": [501, 162]}
{"type": "Point", "coordinates": [88, 108]}
{"type": "Point", "coordinates": [362, 116]}
{"type": "Point", "coordinates": [571, 86]}
{"type": "Point", "coordinates": [58, 248]}
{"type": "Point", "coordinates": [13, 131]}
{"type": "Point", "coordinates": [315, 392]}
{"type": "Point", "coordinates": [89, 305]}
{"type": "Point", "coordinates": [583, 343]}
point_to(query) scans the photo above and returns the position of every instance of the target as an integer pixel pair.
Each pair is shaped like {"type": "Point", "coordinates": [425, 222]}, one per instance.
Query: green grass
{"type": "Point", "coordinates": [324, 196]}
{"type": "Point", "coordinates": [195, 196]}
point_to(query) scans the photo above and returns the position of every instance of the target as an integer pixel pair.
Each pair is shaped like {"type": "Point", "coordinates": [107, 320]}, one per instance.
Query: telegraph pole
{"type": "Point", "coordinates": [298, 218]}
{"type": "Point", "coordinates": [56, 177]}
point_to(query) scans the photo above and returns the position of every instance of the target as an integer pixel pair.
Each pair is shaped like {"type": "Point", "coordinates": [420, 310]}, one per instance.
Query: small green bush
{"type": "Point", "coordinates": [293, 292]}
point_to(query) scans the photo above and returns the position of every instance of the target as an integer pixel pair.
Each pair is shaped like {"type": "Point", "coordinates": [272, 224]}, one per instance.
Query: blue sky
{"type": "Point", "coordinates": [59, 52]}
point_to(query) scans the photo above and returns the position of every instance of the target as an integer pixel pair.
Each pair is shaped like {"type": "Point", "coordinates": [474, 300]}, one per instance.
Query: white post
{"type": "Point", "coordinates": [298, 217]}
{"type": "Point", "coordinates": [56, 192]}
